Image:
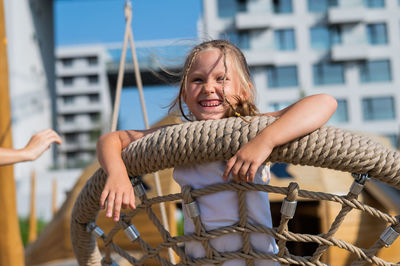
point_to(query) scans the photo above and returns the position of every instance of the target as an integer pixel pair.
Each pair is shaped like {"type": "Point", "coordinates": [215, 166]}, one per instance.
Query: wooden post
{"type": "Point", "coordinates": [54, 198]}
{"type": "Point", "coordinates": [32, 235]}
{"type": "Point", "coordinates": [11, 249]}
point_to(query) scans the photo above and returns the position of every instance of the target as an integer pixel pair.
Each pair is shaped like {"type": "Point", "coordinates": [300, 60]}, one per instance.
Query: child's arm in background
{"type": "Point", "coordinates": [299, 119]}
{"type": "Point", "coordinates": [118, 191]}
{"type": "Point", "coordinates": [35, 147]}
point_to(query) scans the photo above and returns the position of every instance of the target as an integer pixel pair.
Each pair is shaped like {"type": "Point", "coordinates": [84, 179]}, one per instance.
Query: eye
{"type": "Point", "coordinates": [221, 78]}
{"type": "Point", "coordinates": [197, 80]}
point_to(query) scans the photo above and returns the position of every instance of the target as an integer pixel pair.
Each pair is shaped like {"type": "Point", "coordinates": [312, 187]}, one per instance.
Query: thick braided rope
{"type": "Point", "coordinates": [212, 140]}
{"type": "Point", "coordinates": [206, 141]}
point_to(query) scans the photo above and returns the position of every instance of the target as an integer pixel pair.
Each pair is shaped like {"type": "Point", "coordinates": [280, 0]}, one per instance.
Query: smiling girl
{"type": "Point", "coordinates": [216, 84]}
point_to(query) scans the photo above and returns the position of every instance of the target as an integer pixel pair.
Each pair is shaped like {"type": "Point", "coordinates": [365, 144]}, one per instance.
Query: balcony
{"type": "Point", "coordinates": [78, 146]}
{"type": "Point", "coordinates": [259, 58]}
{"type": "Point", "coordinates": [245, 21]}
{"type": "Point", "coordinates": [77, 126]}
{"type": "Point", "coordinates": [349, 52]}
{"type": "Point", "coordinates": [340, 15]}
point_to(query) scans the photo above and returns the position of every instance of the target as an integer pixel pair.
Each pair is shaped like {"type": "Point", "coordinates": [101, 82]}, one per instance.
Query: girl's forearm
{"type": "Point", "coordinates": [10, 156]}
{"type": "Point", "coordinates": [109, 149]}
{"type": "Point", "coordinates": [299, 119]}
{"type": "Point", "coordinates": [110, 146]}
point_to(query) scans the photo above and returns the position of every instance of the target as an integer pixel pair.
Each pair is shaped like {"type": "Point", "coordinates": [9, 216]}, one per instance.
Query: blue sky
{"type": "Point", "coordinates": [102, 21]}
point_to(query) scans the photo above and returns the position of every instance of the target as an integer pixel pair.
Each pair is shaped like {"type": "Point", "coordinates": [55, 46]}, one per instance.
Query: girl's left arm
{"type": "Point", "coordinates": [295, 121]}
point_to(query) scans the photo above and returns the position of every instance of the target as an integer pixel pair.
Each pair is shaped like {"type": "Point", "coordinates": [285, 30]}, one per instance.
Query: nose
{"type": "Point", "coordinates": [208, 88]}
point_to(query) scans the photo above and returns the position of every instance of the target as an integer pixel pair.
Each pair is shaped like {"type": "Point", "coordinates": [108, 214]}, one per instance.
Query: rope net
{"type": "Point", "coordinates": [206, 141]}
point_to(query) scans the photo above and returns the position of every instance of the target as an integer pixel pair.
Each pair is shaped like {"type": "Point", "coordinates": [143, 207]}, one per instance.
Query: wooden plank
{"type": "Point", "coordinates": [11, 249]}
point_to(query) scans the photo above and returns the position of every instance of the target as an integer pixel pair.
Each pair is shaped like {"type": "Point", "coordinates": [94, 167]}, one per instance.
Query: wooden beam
{"type": "Point", "coordinates": [32, 235]}
{"type": "Point", "coordinates": [11, 249]}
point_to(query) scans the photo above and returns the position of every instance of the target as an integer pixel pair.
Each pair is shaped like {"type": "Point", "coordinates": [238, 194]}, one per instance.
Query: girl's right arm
{"type": "Point", "coordinates": [118, 191]}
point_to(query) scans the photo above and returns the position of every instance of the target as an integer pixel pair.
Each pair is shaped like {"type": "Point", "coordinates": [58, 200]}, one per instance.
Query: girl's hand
{"type": "Point", "coordinates": [313, 111]}
{"type": "Point", "coordinates": [40, 142]}
{"type": "Point", "coordinates": [245, 163]}
{"type": "Point", "coordinates": [118, 193]}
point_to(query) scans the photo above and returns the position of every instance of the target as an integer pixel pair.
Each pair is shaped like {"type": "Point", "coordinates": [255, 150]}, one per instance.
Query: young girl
{"type": "Point", "coordinates": [216, 83]}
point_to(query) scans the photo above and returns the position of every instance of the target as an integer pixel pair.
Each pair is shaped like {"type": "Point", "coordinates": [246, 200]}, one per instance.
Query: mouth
{"type": "Point", "coordinates": [210, 103]}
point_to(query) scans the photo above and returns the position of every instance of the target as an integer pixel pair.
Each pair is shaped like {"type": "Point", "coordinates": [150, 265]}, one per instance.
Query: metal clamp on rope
{"type": "Point", "coordinates": [389, 236]}
{"type": "Point", "coordinates": [288, 208]}
{"type": "Point", "coordinates": [358, 184]}
{"type": "Point", "coordinates": [138, 186]}
{"type": "Point", "coordinates": [94, 229]}
{"type": "Point", "coordinates": [131, 232]}
{"type": "Point", "coordinates": [104, 263]}
{"type": "Point", "coordinates": [192, 209]}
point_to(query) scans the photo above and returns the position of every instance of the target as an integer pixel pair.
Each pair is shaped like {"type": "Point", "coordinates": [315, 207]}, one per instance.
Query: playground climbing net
{"type": "Point", "coordinates": [325, 147]}
{"type": "Point", "coordinates": [244, 227]}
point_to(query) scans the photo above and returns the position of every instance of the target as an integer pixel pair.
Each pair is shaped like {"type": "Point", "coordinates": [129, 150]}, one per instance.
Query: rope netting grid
{"type": "Point", "coordinates": [243, 227]}
{"type": "Point", "coordinates": [326, 147]}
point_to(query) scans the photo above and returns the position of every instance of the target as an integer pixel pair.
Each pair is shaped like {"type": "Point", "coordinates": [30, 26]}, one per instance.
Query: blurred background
{"type": "Point", "coordinates": [63, 58]}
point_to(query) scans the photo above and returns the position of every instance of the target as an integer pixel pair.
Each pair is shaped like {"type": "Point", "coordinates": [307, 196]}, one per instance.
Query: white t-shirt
{"type": "Point", "coordinates": [221, 209]}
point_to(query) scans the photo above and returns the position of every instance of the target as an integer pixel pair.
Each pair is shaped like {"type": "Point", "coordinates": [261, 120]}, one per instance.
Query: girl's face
{"type": "Point", "coordinates": [203, 95]}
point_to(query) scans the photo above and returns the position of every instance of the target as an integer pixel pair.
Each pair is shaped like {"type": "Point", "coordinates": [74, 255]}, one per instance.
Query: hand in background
{"type": "Point", "coordinates": [40, 142]}
{"type": "Point", "coordinates": [37, 144]}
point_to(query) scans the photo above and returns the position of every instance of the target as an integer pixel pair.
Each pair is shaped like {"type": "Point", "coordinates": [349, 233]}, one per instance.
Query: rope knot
{"type": "Point", "coordinates": [293, 191]}
{"type": "Point", "coordinates": [186, 194]}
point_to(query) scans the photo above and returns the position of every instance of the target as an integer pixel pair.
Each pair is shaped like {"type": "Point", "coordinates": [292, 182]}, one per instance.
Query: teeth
{"type": "Point", "coordinates": [209, 103]}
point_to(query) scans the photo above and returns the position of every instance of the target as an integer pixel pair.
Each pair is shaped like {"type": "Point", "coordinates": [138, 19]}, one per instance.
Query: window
{"type": "Point", "coordinates": [229, 8]}
{"type": "Point", "coordinates": [67, 62]}
{"type": "Point", "coordinates": [68, 99]}
{"type": "Point", "coordinates": [377, 33]}
{"type": "Point", "coordinates": [341, 115]}
{"type": "Point", "coordinates": [93, 79]}
{"type": "Point", "coordinates": [71, 137]}
{"type": "Point", "coordinates": [326, 74]}
{"type": "Point", "coordinates": [239, 38]}
{"type": "Point", "coordinates": [72, 158]}
{"type": "Point", "coordinates": [94, 117]}
{"type": "Point", "coordinates": [324, 37]}
{"type": "Point", "coordinates": [94, 98]}
{"type": "Point", "coordinates": [374, 3]}
{"type": "Point", "coordinates": [67, 81]}
{"type": "Point", "coordinates": [284, 76]}
{"type": "Point", "coordinates": [282, 6]}
{"type": "Point", "coordinates": [69, 118]}
{"type": "Point", "coordinates": [92, 60]}
{"type": "Point", "coordinates": [285, 40]}
{"type": "Point", "coordinates": [375, 71]}
{"type": "Point", "coordinates": [381, 108]}
{"type": "Point", "coordinates": [273, 107]}
{"type": "Point", "coordinates": [94, 135]}
{"type": "Point", "coordinates": [321, 5]}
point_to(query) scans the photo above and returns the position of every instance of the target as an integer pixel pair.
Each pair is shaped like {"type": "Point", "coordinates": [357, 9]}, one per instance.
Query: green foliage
{"type": "Point", "coordinates": [24, 228]}
{"type": "Point", "coordinates": [180, 226]}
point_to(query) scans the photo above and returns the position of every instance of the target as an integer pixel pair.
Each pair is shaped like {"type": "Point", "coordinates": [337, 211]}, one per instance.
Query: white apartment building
{"type": "Point", "coordinates": [349, 49]}
{"type": "Point", "coordinates": [83, 102]}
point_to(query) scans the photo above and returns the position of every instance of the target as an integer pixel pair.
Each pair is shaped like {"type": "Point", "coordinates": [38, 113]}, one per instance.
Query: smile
{"type": "Point", "coordinates": [210, 103]}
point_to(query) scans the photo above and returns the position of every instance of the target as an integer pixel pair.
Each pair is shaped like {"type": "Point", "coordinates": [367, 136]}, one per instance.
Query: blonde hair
{"type": "Point", "coordinates": [241, 107]}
